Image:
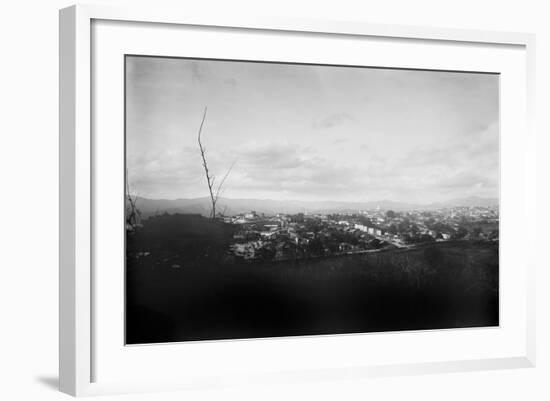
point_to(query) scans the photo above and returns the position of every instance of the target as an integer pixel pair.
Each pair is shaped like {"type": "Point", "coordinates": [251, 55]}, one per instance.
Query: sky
{"type": "Point", "coordinates": [310, 132]}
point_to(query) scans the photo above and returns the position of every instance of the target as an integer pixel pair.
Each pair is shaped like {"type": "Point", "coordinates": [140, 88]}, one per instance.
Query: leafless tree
{"type": "Point", "coordinates": [133, 214]}
{"type": "Point", "coordinates": [214, 191]}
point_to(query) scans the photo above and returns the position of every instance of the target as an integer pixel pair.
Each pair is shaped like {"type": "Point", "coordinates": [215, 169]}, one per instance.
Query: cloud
{"type": "Point", "coordinates": [304, 131]}
{"type": "Point", "coordinates": [168, 172]}
{"type": "Point", "coordinates": [199, 71]}
{"type": "Point", "coordinates": [232, 82]}
{"type": "Point", "coordinates": [471, 151]}
{"type": "Point", "coordinates": [295, 170]}
{"type": "Point", "coordinates": [464, 180]}
{"type": "Point", "coordinates": [272, 156]}
{"type": "Point", "coordinates": [332, 121]}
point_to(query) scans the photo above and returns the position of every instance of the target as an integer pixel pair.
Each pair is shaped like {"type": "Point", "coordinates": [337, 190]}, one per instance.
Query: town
{"type": "Point", "coordinates": [279, 237]}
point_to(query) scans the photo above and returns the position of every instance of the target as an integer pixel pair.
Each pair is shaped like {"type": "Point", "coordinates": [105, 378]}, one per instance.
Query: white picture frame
{"type": "Point", "coordinates": [77, 370]}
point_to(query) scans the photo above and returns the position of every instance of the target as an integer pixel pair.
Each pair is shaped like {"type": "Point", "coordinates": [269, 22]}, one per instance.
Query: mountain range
{"type": "Point", "coordinates": [230, 207]}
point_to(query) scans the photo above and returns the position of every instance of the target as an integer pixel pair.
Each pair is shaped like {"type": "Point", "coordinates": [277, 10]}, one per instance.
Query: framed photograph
{"type": "Point", "coordinates": [274, 200]}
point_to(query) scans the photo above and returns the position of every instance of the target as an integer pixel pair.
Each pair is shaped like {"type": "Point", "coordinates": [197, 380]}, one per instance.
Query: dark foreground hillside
{"type": "Point", "coordinates": [181, 286]}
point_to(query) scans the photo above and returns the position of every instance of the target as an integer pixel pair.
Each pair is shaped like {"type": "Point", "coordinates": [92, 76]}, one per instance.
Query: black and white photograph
{"type": "Point", "coordinates": [272, 199]}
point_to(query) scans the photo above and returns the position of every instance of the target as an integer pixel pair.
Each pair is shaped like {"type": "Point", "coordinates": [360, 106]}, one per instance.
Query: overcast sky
{"type": "Point", "coordinates": [311, 132]}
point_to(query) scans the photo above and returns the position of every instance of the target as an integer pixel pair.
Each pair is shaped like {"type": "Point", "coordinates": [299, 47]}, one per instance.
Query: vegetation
{"type": "Point", "coordinates": [213, 191]}
{"type": "Point", "coordinates": [181, 285]}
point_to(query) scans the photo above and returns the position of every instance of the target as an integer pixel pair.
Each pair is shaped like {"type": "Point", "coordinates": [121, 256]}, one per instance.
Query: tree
{"type": "Point", "coordinates": [365, 220]}
{"type": "Point", "coordinates": [214, 192]}
{"type": "Point", "coordinates": [476, 232]}
{"type": "Point", "coordinates": [460, 233]}
{"type": "Point", "coordinates": [392, 229]}
{"type": "Point", "coordinates": [133, 214]}
{"type": "Point", "coordinates": [390, 214]}
{"type": "Point", "coordinates": [315, 247]}
{"type": "Point", "coordinates": [297, 218]}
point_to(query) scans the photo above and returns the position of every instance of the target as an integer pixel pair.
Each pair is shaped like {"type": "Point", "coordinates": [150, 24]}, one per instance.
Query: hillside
{"type": "Point", "coordinates": [201, 206]}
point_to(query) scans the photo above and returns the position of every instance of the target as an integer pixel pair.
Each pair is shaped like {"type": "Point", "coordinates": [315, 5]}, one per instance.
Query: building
{"type": "Point", "coordinates": [251, 215]}
{"type": "Point", "coordinates": [361, 227]}
{"type": "Point", "coordinates": [268, 234]}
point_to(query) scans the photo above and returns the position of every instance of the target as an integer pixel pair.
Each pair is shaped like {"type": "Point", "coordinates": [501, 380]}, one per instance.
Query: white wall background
{"type": "Point", "coordinates": [29, 185]}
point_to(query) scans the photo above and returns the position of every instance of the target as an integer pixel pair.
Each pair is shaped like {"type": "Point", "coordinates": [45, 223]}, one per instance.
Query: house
{"type": "Point", "coordinates": [268, 234]}
{"type": "Point", "coordinates": [251, 215]}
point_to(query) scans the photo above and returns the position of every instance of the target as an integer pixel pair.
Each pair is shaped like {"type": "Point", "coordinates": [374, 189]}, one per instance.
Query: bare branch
{"type": "Point", "coordinates": [214, 191]}
{"type": "Point", "coordinates": [223, 180]}
{"type": "Point", "coordinates": [134, 214]}
{"type": "Point", "coordinates": [209, 179]}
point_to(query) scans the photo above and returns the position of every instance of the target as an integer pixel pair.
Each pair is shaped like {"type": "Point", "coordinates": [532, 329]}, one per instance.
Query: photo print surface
{"type": "Point", "coordinates": [273, 199]}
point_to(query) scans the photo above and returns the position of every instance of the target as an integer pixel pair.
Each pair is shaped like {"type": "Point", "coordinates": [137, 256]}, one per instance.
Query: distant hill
{"type": "Point", "coordinates": [201, 206]}
{"type": "Point", "coordinates": [469, 201]}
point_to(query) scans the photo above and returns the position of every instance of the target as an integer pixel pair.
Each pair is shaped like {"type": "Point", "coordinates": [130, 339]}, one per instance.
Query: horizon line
{"type": "Point", "coordinates": [497, 199]}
